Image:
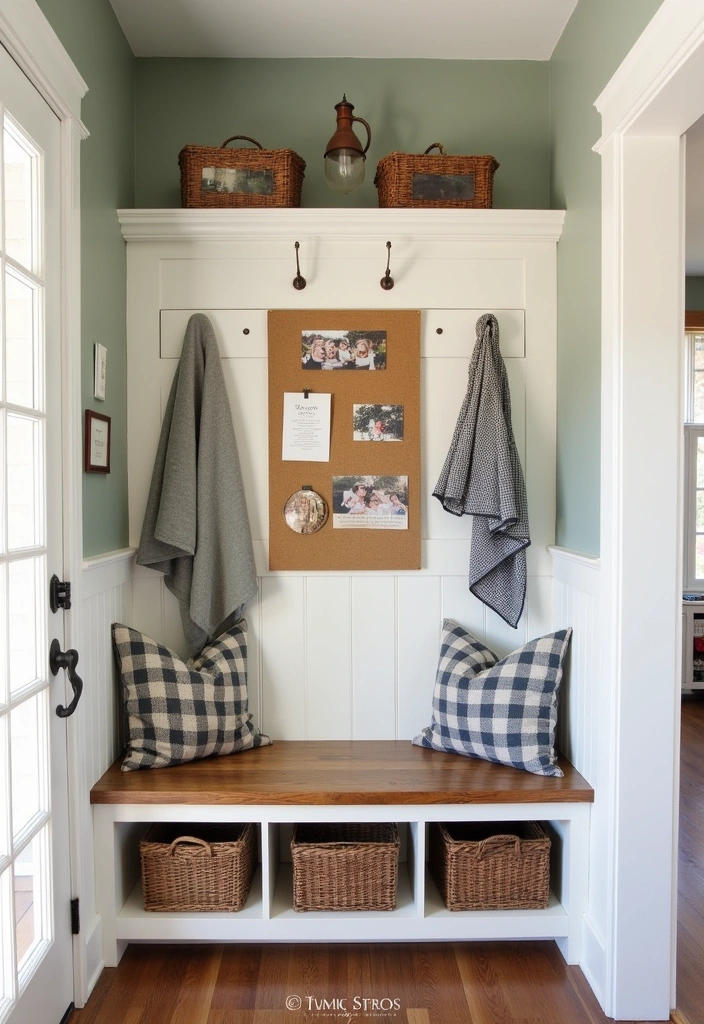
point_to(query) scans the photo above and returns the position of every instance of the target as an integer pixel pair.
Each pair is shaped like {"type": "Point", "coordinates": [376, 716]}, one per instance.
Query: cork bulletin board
{"type": "Point", "coordinates": [371, 482]}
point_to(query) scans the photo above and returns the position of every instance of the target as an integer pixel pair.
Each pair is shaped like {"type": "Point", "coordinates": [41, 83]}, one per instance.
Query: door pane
{"type": "Point", "coordinates": [5, 846]}
{"type": "Point", "coordinates": [26, 622]}
{"type": "Point", "coordinates": [24, 491]}
{"type": "Point", "coordinates": [31, 897]}
{"type": "Point", "coordinates": [20, 166]}
{"type": "Point", "coordinates": [6, 958]}
{"type": "Point", "coordinates": [21, 323]}
{"type": "Point", "coordinates": [24, 903]}
{"type": "Point", "coordinates": [28, 750]}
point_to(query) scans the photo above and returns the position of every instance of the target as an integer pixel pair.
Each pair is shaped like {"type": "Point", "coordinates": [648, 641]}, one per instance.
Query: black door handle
{"type": "Point", "coordinates": [68, 660]}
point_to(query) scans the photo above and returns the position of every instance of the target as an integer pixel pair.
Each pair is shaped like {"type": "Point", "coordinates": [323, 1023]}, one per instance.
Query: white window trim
{"type": "Point", "coordinates": [31, 41]}
{"type": "Point", "coordinates": [692, 583]}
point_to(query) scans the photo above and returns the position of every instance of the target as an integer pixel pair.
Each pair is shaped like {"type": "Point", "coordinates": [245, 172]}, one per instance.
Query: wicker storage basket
{"type": "Point", "coordinates": [197, 867]}
{"type": "Point", "coordinates": [491, 866]}
{"type": "Point", "coordinates": [240, 177]}
{"type": "Point", "coordinates": [344, 866]}
{"type": "Point", "coordinates": [437, 181]}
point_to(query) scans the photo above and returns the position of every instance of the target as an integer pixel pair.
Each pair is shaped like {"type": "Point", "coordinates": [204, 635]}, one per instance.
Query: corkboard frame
{"type": "Point", "coordinates": [397, 384]}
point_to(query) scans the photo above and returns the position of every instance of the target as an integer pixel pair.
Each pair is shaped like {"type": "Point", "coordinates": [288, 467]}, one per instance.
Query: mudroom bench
{"type": "Point", "coordinates": [329, 781]}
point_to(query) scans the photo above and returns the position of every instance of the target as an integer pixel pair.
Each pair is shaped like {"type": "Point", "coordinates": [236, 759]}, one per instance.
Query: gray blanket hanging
{"type": "Point", "coordinates": [482, 477]}
{"type": "Point", "coordinates": [196, 530]}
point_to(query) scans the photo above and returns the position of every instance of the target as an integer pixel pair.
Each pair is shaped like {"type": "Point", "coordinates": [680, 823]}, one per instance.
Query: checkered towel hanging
{"type": "Point", "coordinates": [482, 477]}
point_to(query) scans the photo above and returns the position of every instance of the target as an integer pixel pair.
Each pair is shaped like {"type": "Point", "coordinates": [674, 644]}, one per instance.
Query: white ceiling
{"type": "Point", "coordinates": [449, 29]}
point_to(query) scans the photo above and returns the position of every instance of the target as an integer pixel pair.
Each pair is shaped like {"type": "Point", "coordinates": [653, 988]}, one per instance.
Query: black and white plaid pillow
{"type": "Point", "coordinates": [500, 710]}
{"type": "Point", "coordinates": [178, 711]}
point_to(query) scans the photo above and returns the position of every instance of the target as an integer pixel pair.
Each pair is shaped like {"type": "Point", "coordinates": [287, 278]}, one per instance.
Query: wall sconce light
{"type": "Point", "coordinates": [344, 155]}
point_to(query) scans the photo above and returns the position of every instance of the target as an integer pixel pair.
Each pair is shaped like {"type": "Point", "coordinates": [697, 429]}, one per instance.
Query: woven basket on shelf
{"type": "Point", "coordinates": [344, 866]}
{"type": "Point", "coordinates": [437, 181]}
{"type": "Point", "coordinates": [491, 866]}
{"type": "Point", "coordinates": [223, 177]}
{"type": "Point", "coordinates": [197, 867]}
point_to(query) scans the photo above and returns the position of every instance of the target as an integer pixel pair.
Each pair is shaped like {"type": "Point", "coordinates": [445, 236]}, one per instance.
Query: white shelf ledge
{"type": "Point", "coordinates": [159, 225]}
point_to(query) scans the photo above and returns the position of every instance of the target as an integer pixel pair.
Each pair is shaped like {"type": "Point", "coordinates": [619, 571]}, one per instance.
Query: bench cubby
{"type": "Point", "coordinates": [331, 781]}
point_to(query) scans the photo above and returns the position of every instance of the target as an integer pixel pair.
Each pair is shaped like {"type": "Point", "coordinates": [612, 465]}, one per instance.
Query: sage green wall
{"type": "Point", "coordinates": [93, 39]}
{"type": "Point", "coordinates": [694, 293]}
{"type": "Point", "coordinates": [497, 107]}
{"type": "Point", "coordinates": [597, 38]}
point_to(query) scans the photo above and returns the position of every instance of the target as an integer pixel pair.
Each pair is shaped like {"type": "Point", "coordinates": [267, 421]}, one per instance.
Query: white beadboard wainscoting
{"type": "Point", "coordinates": [106, 597]}
{"type": "Point", "coordinates": [350, 656]}
{"type": "Point", "coordinates": [584, 731]}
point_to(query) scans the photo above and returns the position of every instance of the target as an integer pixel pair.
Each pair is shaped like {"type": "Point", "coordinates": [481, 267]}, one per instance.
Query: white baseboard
{"type": "Point", "coordinates": [93, 951]}
{"type": "Point", "coordinates": [593, 961]}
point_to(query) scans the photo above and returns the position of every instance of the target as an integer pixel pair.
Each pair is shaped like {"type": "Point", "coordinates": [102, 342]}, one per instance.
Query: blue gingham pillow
{"type": "Point", "coordinates": [500, 710]}
{"type": "Point", "coordinates": [179, 711]}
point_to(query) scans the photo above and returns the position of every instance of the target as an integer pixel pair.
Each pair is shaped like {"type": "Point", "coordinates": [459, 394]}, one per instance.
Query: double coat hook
{"type": "Point", "coordinates": [387, 281]}
{"type": "Point", "coordinates": [299, 282]}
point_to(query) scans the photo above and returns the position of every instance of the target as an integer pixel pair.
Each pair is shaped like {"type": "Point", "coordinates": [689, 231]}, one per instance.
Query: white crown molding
{"type": "Point", "coordinates": [218, 225]}
{"type": "Point", "coordinates": [33, 44]}
{"type": "Point", "coordinates": [638, 91]}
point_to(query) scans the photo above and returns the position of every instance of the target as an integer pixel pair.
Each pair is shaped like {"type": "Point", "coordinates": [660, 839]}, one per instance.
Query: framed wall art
{"type": "Point", "coordinates": [96, 442]}
{"type": "Point", "coordinates": [368, 362]}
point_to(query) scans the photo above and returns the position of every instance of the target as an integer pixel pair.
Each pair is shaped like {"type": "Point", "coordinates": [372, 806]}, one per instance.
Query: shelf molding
{"type": "Point", "coordinates": [164, 225]}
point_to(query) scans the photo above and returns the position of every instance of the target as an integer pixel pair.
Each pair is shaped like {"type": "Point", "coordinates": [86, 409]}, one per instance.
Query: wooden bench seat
{"type": "Point", "coordinates": [339, 772]}
{"type": "Point", "coordinates": [337, 781]}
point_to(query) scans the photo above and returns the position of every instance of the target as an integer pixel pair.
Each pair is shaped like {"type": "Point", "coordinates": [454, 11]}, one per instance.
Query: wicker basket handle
{"type": "Point", "coordinates": [190, 839]}
{"type": "Point", "coordinates": [435, 145]}
{"type": "Point", "coordinates": [496, 842]}
{"type": "Point", "coordinates": [246, 139]}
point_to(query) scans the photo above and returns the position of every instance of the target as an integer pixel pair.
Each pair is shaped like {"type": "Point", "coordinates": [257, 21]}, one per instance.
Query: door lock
{"type": "Point", "coordinates": [59, 594]}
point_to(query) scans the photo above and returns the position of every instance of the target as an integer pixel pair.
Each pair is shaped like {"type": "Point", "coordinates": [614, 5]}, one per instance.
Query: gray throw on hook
{"type": "Point", "coordinates": [482, 477]}
{"type": "Point", "coordinates": [196, 530]}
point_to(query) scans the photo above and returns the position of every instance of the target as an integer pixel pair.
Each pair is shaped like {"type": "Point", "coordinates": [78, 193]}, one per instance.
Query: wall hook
{"type": "Point", "coordinates": [387, 281]}
{"type": "Point", "coordinates": [299, 282]}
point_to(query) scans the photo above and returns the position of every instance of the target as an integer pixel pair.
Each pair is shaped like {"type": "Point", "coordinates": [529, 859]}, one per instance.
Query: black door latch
{"type": "Point", "coordinates": [59, 594]}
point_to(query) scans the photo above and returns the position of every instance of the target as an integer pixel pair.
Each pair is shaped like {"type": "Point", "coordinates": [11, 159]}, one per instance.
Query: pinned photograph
{"type": "Point", "coordinates": [343, 350]}
{"type": "Point", "coordinates": [377, 422]}
{"type": "Point", "coordinates": [370, 502]}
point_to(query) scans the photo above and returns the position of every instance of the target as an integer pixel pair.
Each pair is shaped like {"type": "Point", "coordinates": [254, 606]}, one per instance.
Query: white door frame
{"type": "Point", "coordinates": [28, 37]}
{"type": "Point", "coordinates": [655, 96]}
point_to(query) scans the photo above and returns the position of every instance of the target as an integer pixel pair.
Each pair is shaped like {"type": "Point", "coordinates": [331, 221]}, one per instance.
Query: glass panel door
{"type": "Point", "coordinates": [36, 980]}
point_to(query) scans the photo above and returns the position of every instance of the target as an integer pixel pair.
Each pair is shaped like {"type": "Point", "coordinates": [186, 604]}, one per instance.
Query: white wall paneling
{"type": "Point", "coordinates": [576, 591]}
{"type": "Point", "coordinates": [349, 655]}
{"type": "Point", "coordinates": [106, 597]}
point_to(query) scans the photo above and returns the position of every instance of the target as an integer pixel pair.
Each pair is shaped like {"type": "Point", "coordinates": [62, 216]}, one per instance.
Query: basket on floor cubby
{"type": "Point", "coordinates": [197, 867]}
{"type": "Point", "coordinates": [491, 865]}
{"type": "Point", "coordinates": [220, 177]}
{"type": "Point", "coordinates": [341, 866]}
{"type": "Point", "coordinates": [436, 181]}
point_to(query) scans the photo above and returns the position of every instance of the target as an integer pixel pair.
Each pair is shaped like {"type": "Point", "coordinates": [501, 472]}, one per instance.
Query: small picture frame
{"type": "Point", "coordinates": [97, 442]}
{"type": "Point", "coordinates": [100, 371]}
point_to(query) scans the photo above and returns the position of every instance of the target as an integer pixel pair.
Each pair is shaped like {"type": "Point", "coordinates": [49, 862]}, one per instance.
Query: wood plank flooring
{"type": "Point", "coordinates": [468, 983]}
{"type": "Point", "coordinates": [690, 902]}
{"type": "Point", "coordinates": [443, 983]}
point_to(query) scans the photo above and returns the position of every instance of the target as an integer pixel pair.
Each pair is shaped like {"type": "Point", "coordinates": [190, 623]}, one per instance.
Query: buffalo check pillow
{"type": "Point", "coordinates": [179, 710]}
{"type": "Point", "coordinates": [500, 710]}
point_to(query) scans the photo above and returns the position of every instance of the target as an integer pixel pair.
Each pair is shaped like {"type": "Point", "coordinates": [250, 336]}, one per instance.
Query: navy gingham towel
{"type": "Point", "coordinates": [482, 477]}
{"type": "Point", "coordinates": [498, 710]}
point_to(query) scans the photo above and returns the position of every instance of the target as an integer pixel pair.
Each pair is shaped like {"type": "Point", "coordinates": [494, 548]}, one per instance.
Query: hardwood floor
{"type": "Point", "coordinates": [690, 903]}
{"type": "Point", "coordinates": [472, 983]}
{"type": "Point", "coordinates": [446, 983]}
